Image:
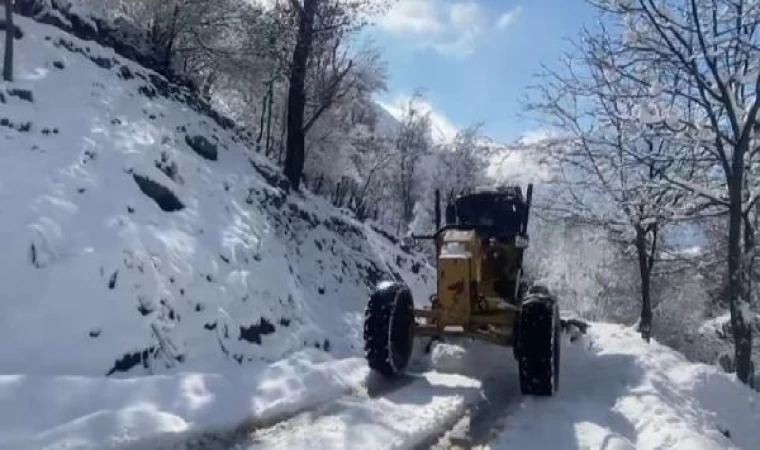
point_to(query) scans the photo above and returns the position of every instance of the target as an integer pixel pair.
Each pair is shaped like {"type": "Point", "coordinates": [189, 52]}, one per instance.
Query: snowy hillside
{"type": "Point", "coordinates": [141, 235]}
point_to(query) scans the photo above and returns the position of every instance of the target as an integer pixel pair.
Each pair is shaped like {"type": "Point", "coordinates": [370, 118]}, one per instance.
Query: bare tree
{"type": "Point", "coordinates": [322, 28]}
{"type": "Point", "coordinates": [296, 140]}
{"type": "Point", "coordinates": [9, 36]}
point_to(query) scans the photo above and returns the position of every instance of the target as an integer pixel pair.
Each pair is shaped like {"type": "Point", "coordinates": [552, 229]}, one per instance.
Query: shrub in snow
{"type": "Point", "coordinates": [169, 167]}
{"type": "Point", "coordinates": [131, 360]}
{"type": "Point", "coordinates": [164, 198]}
{"type": "Point", "coordinates": [202, 146]}
{"type": "Point", "coordinates": [17, 33]}
{"type": "Point", "coordinates": [254, 332]}
{"type": "Point", "coordinates": [272, 176]}
{"type": "Point", "coordinates": [126, 73]}
{"type": "Point", "coordinates": [147, 91]}
{"type": "Point", "coordinates": [23, 94]}
{"type": "Point", "coordinates": [105, 63]}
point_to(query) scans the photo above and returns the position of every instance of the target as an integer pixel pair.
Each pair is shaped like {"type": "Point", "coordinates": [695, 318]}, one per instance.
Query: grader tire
{"type": "Point", "coordinates": [389, 329]}
{"type": "Point", "coordinates": [539, 345]}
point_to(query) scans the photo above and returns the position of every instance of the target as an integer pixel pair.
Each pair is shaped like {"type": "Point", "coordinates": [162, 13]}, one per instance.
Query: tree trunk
{"type": "Point", "coordinates": [283, 129]}
{"type": "Point", "coordinates": [168, 37]}
{"type": "Point", "coordinates": [407, 204]}
{"type": "Point", "coordinates": [318, 185]}
{"type": "Point", "coordinates": [740, 325]}
{"type": "Point", "coordinates": [268, 145]}
{"type": "Point", "coordinates": [749, 256]}
{"type": "Point", "coordinates": [262, 118]}
{"type": "Point", "coordinates": [208, 83]}
{"type": "Point", "coordinates": [645, 272]}
{"type": "Point", "coordinates": [295, 153]}
{"type": "Point", "coordinates": [9, 28]}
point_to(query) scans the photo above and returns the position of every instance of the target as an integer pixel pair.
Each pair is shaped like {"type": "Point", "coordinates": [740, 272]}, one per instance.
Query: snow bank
{"type": "Point", "coordinates": [97, 413]}
{"type": "Point", "coordinates": [621, 393]}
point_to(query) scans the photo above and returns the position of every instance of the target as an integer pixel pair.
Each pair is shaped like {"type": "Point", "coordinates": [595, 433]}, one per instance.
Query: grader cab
{"type": "Point", "coordinates": [481, 292]}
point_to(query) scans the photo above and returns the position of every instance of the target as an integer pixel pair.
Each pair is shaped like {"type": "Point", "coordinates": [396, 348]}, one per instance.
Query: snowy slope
{"type": "Point", "coordinates": [241, 297]}
{"type": "Point", "coordinates": [99, 279]}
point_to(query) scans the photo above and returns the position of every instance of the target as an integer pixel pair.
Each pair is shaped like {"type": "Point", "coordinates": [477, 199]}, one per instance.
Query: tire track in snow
{"type": "Point", "coordinates": [402, 415]}
{"type": "Point", "coordinates": [248, 433]}
{"type": "Point", "coordinates": [438, 395]}
{"type": "Point", "coordinates": [482, 421]}
{"type": "Point", "coordinates": [414, 412]}
{"type": "Point", "coordinates": [375, 386]}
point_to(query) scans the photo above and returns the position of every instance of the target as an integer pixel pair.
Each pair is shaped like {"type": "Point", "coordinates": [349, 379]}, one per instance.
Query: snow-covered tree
{"type": "Point", "coordinates": [412, 144]}
{"type": "Point", "coordinates": [583, 267]}
{"type": "Point", "coordinates": [610, 153]}
{"type": "Point", "coordinates": [342, 134]}
{"type": "Point", "coordinates": [461, 165]}
{"type": "Point", "coordinates": [711, 48]}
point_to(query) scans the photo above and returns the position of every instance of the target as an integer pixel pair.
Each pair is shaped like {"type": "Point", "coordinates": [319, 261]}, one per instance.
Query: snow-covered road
{"type": "Point", "coordinates": [412, 412]}
{"type": "Point", "coordinates": [402, 418]}
{"type": "Point", "coordinates": [615, 392]}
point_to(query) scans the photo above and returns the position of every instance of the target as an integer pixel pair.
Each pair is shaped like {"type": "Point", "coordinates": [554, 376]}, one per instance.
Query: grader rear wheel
{"type": "Point", "coordinates": [538, 341]}
{"type": "Point", "coordinates": [389, 329]}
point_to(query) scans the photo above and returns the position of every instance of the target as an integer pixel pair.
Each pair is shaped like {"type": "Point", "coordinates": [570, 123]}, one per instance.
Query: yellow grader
{"type": "Point", "coordinates": [481, 293]}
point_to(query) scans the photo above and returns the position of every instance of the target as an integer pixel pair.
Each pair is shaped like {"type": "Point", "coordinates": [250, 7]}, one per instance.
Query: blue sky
{"type": "Point", "coordinates": [473, 59]}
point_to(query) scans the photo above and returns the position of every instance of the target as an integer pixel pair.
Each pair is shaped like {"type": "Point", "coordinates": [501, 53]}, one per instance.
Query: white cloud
{"type": "Point", "coordinates": [451, 28]}
{"type": "Point", "coordinates": [443, 128]}
{"type": "Point", "coordinates": [465, 16]}
{"type": "Point", "coordinates": [467, 20]}
{"type": "Point", "coordinates": [415, 17]}
{"type": "Point", "coordinates": [509, 17]}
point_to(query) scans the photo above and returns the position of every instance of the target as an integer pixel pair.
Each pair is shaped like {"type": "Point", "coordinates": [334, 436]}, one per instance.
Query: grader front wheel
{"type": "Point", "coordinates": [389, 329]}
